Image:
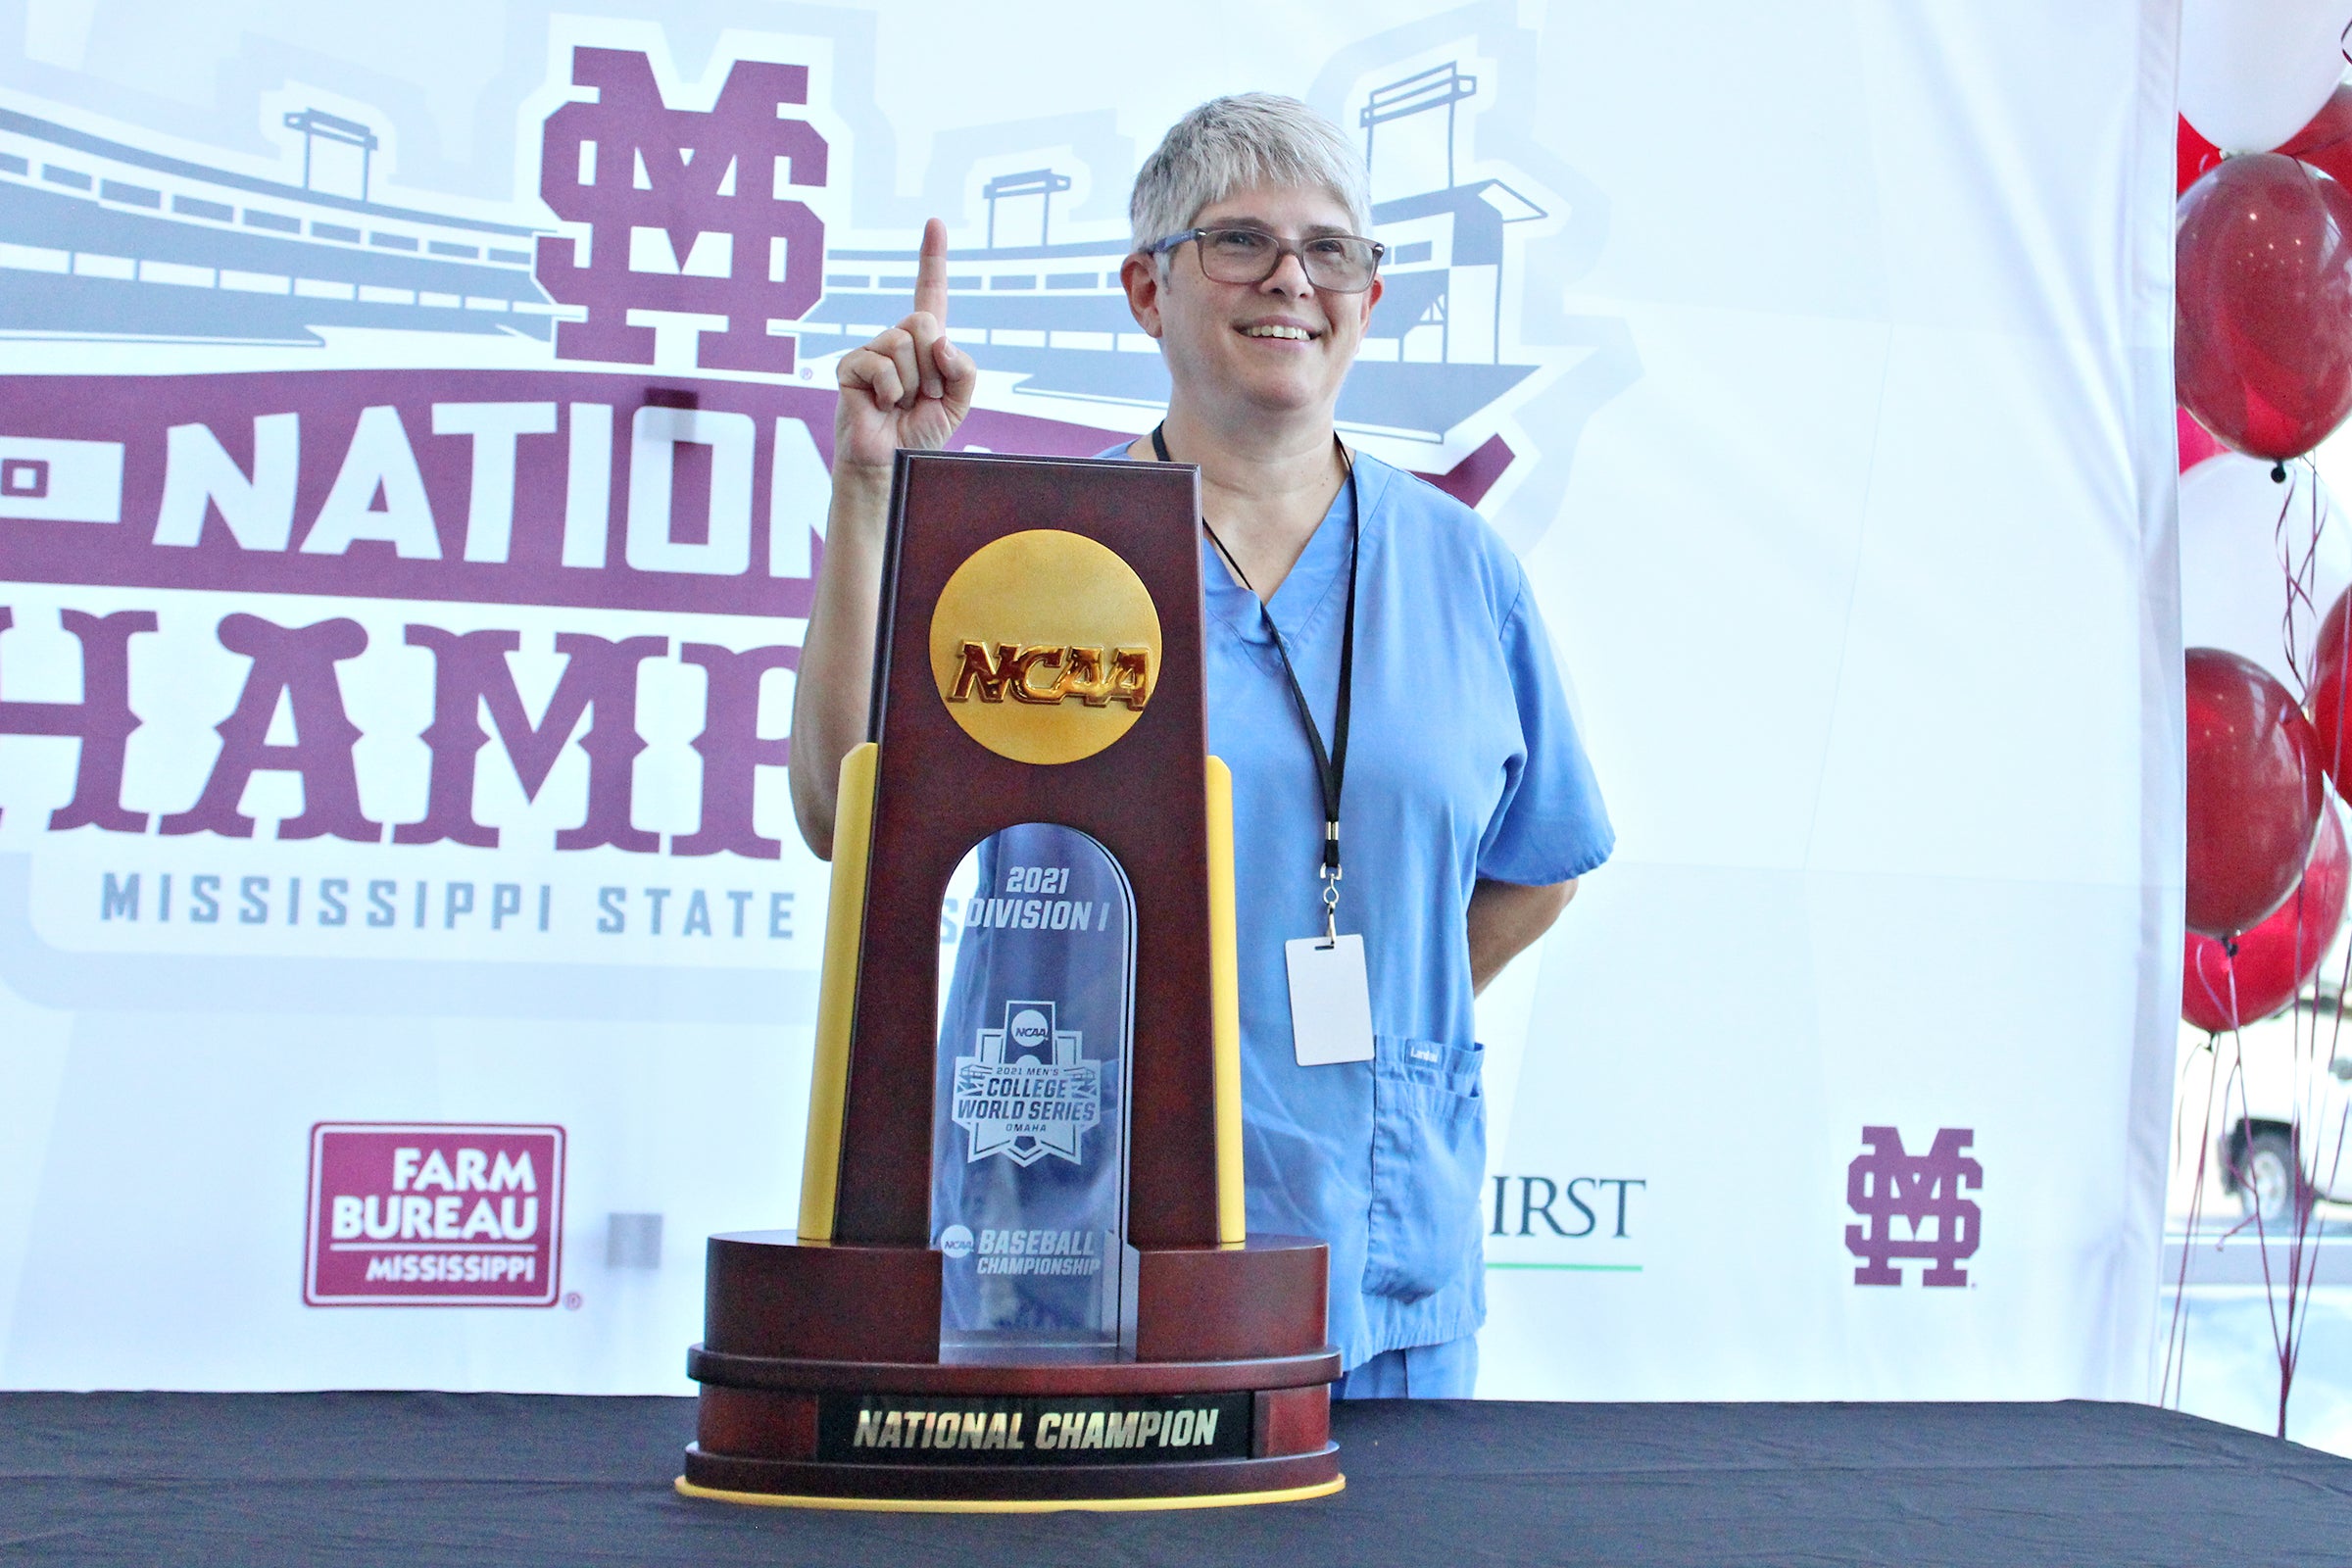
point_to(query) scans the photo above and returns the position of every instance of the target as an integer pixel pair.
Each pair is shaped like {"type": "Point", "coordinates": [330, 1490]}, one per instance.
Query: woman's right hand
{"type": "Point", "coordinates": [909, 387]}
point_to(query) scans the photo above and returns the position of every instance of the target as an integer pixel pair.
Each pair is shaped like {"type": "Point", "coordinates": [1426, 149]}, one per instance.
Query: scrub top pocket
{"type": "Point", "coordinates": [1429, 1156]}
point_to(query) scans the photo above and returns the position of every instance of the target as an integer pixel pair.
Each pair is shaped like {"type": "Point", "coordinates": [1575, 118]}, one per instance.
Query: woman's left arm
{"type": "Point", "coordinates": [1505, 918]}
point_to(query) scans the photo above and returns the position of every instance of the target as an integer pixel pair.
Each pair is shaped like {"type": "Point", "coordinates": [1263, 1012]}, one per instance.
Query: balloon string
{"type": "Point", "coordinates": [2336, 1164]}
{"type": "Point", "coordinates": [2172, 1385]}
{"type": "Point", "coordinates": [2176, 1334]}
{"type": "Point", "coordinates": [2283, 1336]}
{"type": "Point", "coordinates": [2302, 583]}
{"type": "Point", "coordinates": [2290, 1346]}
{"type": "Point", "coordinates": [2237, 1076]}
{"type": "Point", "coordinates": [2331, 753]}
{"type": "Point", "coordinates": [2212, 998]}
{"type": "Point", "coordinates": [2303, 1254]}
{"type": "Point", "coordinates": [2336, 1047]}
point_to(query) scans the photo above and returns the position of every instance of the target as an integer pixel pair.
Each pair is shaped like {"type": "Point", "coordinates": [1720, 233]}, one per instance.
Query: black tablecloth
{"type": "Point", "coordinates": [427, 1478]}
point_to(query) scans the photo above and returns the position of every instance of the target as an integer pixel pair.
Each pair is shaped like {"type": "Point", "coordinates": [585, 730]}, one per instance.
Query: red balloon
{"type": "Point", "coordinates": [2193, 155]}
{"type": "Point", "coordinates": [2330, 706]}
{"type": "Point", "coordinates": [2255, 792]}
{"type": "Point", "coordinates": [2276, 959]}
{"type": "Point", "coordinates": [2324, 144]}
{"type": "Point", "coordinates": [2263, 290]}
{"type": "Point", "coordinates": [2328, 647]}
{"type": "Point", "coordinates": [2196, 443]}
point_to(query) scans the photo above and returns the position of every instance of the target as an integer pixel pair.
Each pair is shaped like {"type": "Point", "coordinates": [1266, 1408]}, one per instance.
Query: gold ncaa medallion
{"type": "Point", "coordinates": [1044, 646]}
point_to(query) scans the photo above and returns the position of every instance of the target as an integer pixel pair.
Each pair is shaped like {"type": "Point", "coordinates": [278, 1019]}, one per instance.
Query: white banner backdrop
{"type": "Point", "coordinates": [410, 466]}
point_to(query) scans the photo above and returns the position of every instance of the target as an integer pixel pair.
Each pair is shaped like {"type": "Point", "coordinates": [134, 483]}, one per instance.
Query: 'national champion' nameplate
{"type": "Point", "coordinates": [1047, 1429]}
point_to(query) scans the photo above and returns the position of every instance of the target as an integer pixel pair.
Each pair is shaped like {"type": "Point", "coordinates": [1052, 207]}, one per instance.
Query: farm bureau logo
{"type": "Point", "coordinates": [1885, 1183]}
{"type": "Point", "coordinates": [435, 1215]}
{"type": "Point", "coordinates": [1027, 1092]}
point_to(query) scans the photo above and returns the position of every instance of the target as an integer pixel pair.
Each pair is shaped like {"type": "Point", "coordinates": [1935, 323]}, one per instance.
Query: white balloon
{"type": "Point", "coordinates": [2254, 71]}
{"type": "Point", "coordinates": [2234, 588]}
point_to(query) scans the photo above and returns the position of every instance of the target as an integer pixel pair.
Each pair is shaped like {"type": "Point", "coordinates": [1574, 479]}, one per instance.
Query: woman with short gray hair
{"type": "Point", "coordinates": [1379, 683]}
{"type": "Point", "coordinates": [1254, 140]}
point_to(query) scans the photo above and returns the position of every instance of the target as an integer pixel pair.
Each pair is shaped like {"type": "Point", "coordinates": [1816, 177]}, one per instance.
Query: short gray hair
{"type": "Point", "coordinates": [1248, 140]}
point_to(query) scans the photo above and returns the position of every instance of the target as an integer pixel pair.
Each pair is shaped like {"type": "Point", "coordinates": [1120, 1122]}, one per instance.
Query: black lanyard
{"type": "Point", "coordinates": [1331, 766]}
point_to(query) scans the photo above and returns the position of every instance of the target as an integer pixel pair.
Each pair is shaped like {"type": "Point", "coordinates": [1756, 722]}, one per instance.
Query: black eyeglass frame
{"type": "Point", "coordinates": [1282, 248]}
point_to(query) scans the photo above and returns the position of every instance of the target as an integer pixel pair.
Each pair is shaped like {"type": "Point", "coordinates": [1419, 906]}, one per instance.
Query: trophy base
{"type": "Point", "coordinates": [1008, 1489]}
{"type": "Point", "coordinates": [853, 1406]}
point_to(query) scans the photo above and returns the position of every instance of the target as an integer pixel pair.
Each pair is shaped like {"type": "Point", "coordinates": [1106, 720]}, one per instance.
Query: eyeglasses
{"type": "Point", "coordinates": [1345, 264]}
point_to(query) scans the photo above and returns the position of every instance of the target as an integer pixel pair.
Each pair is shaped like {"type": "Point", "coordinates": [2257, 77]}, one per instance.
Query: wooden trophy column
{"type": "Point", "coordinates": [1039, 661]}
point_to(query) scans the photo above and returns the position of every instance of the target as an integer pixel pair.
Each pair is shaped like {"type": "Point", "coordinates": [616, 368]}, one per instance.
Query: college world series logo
{"type": "Point", "coordinates": [1027, 1092]}
{"type": "Point", "coordinates": [1886, 1184]}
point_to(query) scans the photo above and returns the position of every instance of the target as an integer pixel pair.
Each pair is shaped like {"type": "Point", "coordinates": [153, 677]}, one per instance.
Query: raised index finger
{"type": "Point", "coordinates": [931, 272]}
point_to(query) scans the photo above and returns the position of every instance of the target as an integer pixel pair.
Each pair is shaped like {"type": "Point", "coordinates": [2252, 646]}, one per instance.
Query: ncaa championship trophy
{"type": "Point", "coordinates": [1021, 1278]}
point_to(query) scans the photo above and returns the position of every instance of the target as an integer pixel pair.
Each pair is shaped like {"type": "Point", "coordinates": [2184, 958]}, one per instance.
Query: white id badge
{"type": "Point", "coordinates": [1331, 1001]}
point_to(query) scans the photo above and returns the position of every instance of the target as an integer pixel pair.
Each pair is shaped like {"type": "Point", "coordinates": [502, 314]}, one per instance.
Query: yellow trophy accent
{"type": "Point", "coordinates": [836, 992]}
{"type": "Point", "coordinates": [1212, 1499]}
{"type": "Point", "coordinates": [1225, 1005]}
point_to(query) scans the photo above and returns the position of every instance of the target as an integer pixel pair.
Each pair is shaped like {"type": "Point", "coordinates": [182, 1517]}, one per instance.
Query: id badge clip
{"type": "Point", "coordinates": [1331, 993]}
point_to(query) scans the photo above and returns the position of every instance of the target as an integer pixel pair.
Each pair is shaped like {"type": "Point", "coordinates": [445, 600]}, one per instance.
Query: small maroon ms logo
{"type": "Point", "coordinates": [1886, 1184]}
{"type": "Point", "coordinates": [686, 212]}
{"type": "Point", "coordinates": [435, 1215]}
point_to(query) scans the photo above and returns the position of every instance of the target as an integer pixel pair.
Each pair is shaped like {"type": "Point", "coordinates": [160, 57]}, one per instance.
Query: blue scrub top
{"type": "Point", "coordinates": [1463, 763]}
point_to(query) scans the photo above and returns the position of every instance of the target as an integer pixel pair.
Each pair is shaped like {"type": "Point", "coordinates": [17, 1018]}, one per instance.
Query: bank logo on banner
{"type": "Point", "coordinates": [1569, 1223]}
{"type": "Point", "coordinates": [1026, 1092]}
{"type": "Point", "coordinates": [435, 1215]}
{"type": "Point", "coordinates": [1913, 1206]}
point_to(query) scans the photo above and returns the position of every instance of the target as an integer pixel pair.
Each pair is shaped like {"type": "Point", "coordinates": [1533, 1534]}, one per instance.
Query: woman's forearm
{"type": "Point", "coordinates": [1505, 918]}
{"type": "Point", "coordinates": [907, 389]}
{"type": "Point", "coordinates": [835, 679]}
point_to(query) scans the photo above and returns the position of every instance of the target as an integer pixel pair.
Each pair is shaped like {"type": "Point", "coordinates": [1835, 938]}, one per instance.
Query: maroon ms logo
{"type": "Point", "coordinates": [640, 173]}
{"type": "Point", "coordinates": [1886, 1184]}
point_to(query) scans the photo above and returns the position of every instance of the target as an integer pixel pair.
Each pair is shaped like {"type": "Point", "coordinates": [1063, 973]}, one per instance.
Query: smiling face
{"type": "Point", "coordinates": [1276, 349]}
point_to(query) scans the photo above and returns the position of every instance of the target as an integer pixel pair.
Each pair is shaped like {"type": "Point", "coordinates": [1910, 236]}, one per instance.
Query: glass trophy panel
{"type": "Point", "coordinates": [1028, 1144]}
